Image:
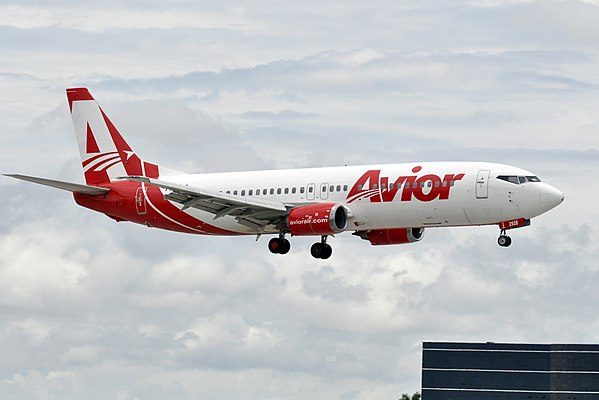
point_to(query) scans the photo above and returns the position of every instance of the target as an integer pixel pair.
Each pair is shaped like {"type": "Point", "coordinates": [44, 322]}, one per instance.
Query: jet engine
{"type": "Point", "coordinates": [317, 219]}
{"type": "Point", "coordinates": [379, 237]}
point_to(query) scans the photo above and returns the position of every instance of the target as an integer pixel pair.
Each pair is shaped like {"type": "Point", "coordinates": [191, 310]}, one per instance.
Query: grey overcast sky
{"type": "Point", "coordinates": [98, 310]}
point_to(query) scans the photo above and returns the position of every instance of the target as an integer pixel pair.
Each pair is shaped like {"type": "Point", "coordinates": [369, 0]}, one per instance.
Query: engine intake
{"type": "Point", "coordinates": [378, 237]}
{"type": "Point", "coordinates": [317, 219]}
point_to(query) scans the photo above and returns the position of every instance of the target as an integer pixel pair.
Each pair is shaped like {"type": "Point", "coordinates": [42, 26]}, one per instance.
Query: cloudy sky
{"type": "Point", "coordinates": [94, 309]}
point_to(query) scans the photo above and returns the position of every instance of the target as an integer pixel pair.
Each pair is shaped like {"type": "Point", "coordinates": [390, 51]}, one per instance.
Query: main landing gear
{"type": "Point", "coordinates": [279, 245]}
{"type": "Point", "coordinates": [321, 249]}
{"type": "Point", "coordinates": [504, 240]}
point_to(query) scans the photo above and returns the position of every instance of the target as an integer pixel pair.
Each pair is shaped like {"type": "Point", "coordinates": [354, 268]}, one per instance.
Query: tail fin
{"type": "Point", "coordinates": [105, 155]}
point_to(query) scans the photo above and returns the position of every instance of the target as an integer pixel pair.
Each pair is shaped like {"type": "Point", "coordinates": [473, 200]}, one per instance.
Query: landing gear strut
{"type": "Point", "coordinates": [504, 240]}
{"type": "Point", "coordinates": [321, 249]}
{"type": "Point", "coordinates": [279, 245]}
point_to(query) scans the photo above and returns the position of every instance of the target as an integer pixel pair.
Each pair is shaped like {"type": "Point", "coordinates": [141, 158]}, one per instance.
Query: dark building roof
{"type": "Point", "coordinates": [497, 371]}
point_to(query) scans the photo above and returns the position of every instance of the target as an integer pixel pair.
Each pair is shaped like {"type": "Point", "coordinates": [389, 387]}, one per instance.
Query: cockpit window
{"type": "Point", "coordinates": [509, 178]}
{"type": "Point", "coordinates": [518, 179]}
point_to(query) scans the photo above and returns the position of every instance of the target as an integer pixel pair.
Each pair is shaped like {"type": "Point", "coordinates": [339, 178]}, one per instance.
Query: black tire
{"type": "Point", "coordinates": [503, 241]}
{"type": "Point", "coordinates": [509, 241]}
{"type": "Point", "coordinates": [285, 246]}
{"type": "Point", "coordinates": [317, 250]}
{"type": "Point", "coordinates": [275, 245]}
{"type": "Point", "coordinates": [328, 250]}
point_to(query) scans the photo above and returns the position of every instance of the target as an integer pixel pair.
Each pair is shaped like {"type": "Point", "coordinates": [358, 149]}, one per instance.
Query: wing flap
{"type": "Point", "coordinates": [250, 211]}
{"type": "Point", "coordinates": [68, 186]}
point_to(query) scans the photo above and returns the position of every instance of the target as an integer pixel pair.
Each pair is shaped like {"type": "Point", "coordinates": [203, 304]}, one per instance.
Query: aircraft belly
{"type": "Point", "coordinates": [450, 215]}
{"type": "Point", "coordinates": [484, 212]}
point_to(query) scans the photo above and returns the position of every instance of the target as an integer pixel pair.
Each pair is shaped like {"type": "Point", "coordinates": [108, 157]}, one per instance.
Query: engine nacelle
{"type": "Point", "coordinates": [317, 219]}
{"type": "Point", "coordinates": [379, 237]}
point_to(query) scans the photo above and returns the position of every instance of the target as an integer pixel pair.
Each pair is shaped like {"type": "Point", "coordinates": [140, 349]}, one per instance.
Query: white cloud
{"type": "Point", "coordinates": [59, 375]}
{"type": "Point", "coordinates": [36, 331]}
{"type": "Point", "coordinates": [112, 310]}
{"type": "Point", "coordinates": [97, 19]}
{"type": "Point", "coordinates": [81, 354]}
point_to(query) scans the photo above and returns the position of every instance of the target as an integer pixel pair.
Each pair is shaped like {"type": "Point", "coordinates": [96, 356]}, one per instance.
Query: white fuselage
{"type": "Point", "coordinates": [384, 196]}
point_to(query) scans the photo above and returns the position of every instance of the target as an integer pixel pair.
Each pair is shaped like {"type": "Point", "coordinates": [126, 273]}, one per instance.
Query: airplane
{"type": "Point", "coordinates": [384, 204]}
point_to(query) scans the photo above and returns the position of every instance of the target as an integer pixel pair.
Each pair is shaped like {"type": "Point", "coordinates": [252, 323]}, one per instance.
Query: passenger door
{"type": "Point", "coordinates": [482, 184]}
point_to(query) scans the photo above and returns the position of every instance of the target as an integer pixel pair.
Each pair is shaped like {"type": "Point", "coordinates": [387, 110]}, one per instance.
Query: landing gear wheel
{"type": "Point", "coordinates": [504, 241]}
{"type": "Point", "coordinates": [321, 250]}
{"type": "Point", "coordinates": [279, 245]}
{"type": "Point", "coordinates": [274, 245]}
{"type": "Point", "coordinates": [328, 250]}
{"type": "Point", "coordinates": [285, 246]}
{"type": "Point", "coordinates": [317, 250]}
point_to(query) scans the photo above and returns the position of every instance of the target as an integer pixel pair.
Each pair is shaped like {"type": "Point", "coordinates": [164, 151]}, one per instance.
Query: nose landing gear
{"type": "Point", "coordinates": [504, 240]}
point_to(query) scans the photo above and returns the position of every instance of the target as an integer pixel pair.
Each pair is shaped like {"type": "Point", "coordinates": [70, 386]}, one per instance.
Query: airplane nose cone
{"type": "Point", "coordinates": [550, 197]}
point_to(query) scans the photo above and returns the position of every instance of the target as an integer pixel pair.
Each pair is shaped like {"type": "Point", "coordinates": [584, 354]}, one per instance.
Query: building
{"type": "Point", "coordinates": [502, 371]}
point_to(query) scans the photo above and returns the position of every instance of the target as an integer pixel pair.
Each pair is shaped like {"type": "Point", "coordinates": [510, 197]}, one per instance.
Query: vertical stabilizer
{"type": "Point", "coordinates": [104, 152]}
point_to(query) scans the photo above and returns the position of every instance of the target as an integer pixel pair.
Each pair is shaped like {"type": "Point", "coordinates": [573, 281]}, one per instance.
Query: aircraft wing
{"type": "Point", "coordinates": [71, 187]}
{"type": "Point", "coordinates": [251, 212]}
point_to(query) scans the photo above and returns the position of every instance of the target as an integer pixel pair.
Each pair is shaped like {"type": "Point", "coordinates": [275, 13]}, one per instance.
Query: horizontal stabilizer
{"type": "Point", "coordinates": [71, 187]}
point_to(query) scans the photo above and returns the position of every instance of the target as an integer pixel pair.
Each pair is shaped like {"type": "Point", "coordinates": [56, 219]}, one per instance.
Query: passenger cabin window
{"type": "Point", "coordinates": [324, 188]}
{"type": "Point", "coordinates": [302, 190]}
{"type": "Point", "coordinates": [293, 190]}
{"type": "Point", "coordinates": [310, 189]}
{"type": "Point", "coordinates": [332, 189]}
{"type": "Point", "coordinates": [286, 190]}
{"type": "Point", "coordinates": [243, 192]}
{"type": "Point", "coordinates": [272, 191]}
{"type": "Point", "coordinates": [345, 188]}
{"type": "Point", "coordinates": [235, 192]}
{"type": "Point", "coordinates": [338, 188]}
{"type": "Point", "coordinates": [279, 191]}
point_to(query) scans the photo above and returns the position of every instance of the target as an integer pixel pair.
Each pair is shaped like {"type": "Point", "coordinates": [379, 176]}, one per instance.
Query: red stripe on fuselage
{"type": "Point", "coordinates": [157, 200]}
{"type": "Point", "coordinates": [120, 204]}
